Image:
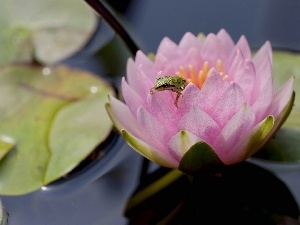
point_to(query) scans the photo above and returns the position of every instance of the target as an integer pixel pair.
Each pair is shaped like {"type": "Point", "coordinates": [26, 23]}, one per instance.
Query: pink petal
{"type": "Point", "coordinates": [265, 51]}
{"type": "Point", "coordinates": [163, 109]}
{"type": "Point", "coordinates": [142, 63]}
{"type": "Point", "coordinates": [150, 152]}
{"type": "Point", "coordinates": [131, 73]}
{"type": "Point", "coordinates": [264, 100]}
{"type": "Point", "coordinates": [167, 66]}
{"type": "Point", "coordinates": [199, 123]}
{"type": "Point", "coordinates": [236, 127]}
{"type": "Point", "coordinates": [230, 102]}
{"type": "Point", "coordinates": [132, 99]}
{"type": "Point", "coordinates": [144, 83]}
{"type": "Point", "coordinates": [282, 104]}
{"type": "Point", "coordinates": [226, 41]}
{"type": "Point", "coordinates": [251, 142]}
{"type": "Point", "coordinates": [213, 88]}
{"type": "Point", "coordinates": [281, 98]}
{"type": "Point", "coordinates": [167, 96]}
{"type": "Point", "coordinates": [141, 77]}
{"type": "Point", "coordinates": [168, 48]}
{"type": "Point", "coordinates": [188, 41]}
{"type": "Point", "coordinates": [158, 135]}
{"type": "Point", "coordinates": [192, 96]}
{"type": "Point", "coordinates": [123, 118]}
{"type": "Point", "coordinates": [192, 57]}
{"type": "Point", "coordinates": [142, 59]}
{"type": "Point", "coordinates": [212, 49]}
{"type": "Point", "coordinates": [161, 62]}
{"type": "Point", "coordinates": [243, 46]}
{"type": "Point", "coordinates": [246, 80]}
{"type": "Point", "coordinates": [236, 66]}
{"type": "Point", "coordinates": [181, 143]}
{"type": "Point", "coordinates": [263, 65]}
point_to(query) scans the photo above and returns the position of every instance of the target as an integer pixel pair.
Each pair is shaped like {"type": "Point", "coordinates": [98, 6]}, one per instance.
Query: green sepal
{"type": "Point", "coordinates": [199, 158]}
{"type": "Point", "coordinates": [259, 137]}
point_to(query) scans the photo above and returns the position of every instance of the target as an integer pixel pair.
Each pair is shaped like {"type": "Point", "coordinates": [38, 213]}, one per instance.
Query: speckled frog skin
{"type": "Point", "coordinates": [170, 83]}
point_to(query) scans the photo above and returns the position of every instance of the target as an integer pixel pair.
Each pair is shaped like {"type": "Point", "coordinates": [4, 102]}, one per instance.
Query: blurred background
{"type": "Point", "coordinates": [274, 20]}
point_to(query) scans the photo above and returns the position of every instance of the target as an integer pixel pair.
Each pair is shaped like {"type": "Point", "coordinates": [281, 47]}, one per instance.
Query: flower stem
{"type": "Point", "coordinates": [153, 188]}
{"type": "Point", "coordinates": [100, 8]}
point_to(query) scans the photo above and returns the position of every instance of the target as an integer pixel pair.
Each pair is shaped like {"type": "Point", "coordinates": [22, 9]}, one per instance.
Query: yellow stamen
{"type": "Point", "coordinates": [182, 73]}
{"type": "Point", "coordinates": [205, 69]}
{"type": "Point", "coordinates": [193, 75]}
{"type": "Point", "coordinates": [201, 78]}
{"type": "Point", "coordinates": [198, 78]}
{"type": "Point", "coordinates": [219, 65]}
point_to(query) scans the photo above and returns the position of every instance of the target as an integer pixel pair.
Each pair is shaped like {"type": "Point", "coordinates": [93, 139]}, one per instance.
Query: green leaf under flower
{"type": "Point", "coordinates": [200, 157]}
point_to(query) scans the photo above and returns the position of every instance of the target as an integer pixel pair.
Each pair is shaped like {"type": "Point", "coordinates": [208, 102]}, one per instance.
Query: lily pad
{"type": "Point", "coordinates": [6, 144]}
{"type": "Point", "coordinates": [56, 117]}
{"type": "Point", "coordinates": [285, 65]}
{"type": "Point", "coordinates": [45, 31]}
{"type": "Point", "coordinates": [285, 145]}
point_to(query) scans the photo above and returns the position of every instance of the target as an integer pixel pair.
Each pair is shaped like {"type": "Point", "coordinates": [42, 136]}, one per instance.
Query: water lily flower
{"type": "Point", "coordinates": [202, 103]}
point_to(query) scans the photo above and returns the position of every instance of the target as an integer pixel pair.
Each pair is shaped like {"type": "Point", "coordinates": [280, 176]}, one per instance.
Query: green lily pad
{"type": "Point", "coordinates": [285, 65]}
{"type": "Point", "coordinates": [47, 31]}
{"type": "Point", "coordinates": [6, 144]}
{"type": "Point", "coordinates": [56, 117]}
{"type": "Point", "coordinates": [285, 145]}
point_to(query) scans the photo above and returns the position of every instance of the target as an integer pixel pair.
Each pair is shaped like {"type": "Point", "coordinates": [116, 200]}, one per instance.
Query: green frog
{"type": "Point", "coordinates": [170, 83]}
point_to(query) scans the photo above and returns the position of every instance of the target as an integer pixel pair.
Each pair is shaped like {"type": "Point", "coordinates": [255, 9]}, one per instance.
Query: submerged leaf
{"type": "Point", "coordinates": [57, 119]}
{"type": "Point", "coordinates": [48, 31]}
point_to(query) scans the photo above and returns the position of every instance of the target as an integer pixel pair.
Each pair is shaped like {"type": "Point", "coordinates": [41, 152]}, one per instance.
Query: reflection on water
{"type": "Point", "coordinates": [239, 194]}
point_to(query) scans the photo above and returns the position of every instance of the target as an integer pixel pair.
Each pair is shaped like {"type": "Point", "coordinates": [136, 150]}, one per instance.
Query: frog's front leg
{"type": "Point", "coordinates": [152, 90]}
{"type": "Point", "coordinates": [177, 98]}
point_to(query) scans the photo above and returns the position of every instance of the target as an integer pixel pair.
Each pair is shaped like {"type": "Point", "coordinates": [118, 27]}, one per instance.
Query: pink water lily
{"type": "Point", "coordinates": [226, 112]}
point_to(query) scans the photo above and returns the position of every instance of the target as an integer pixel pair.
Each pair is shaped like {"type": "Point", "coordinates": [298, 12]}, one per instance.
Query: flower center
{"type": "Point", "coordinates": [198, 77]}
